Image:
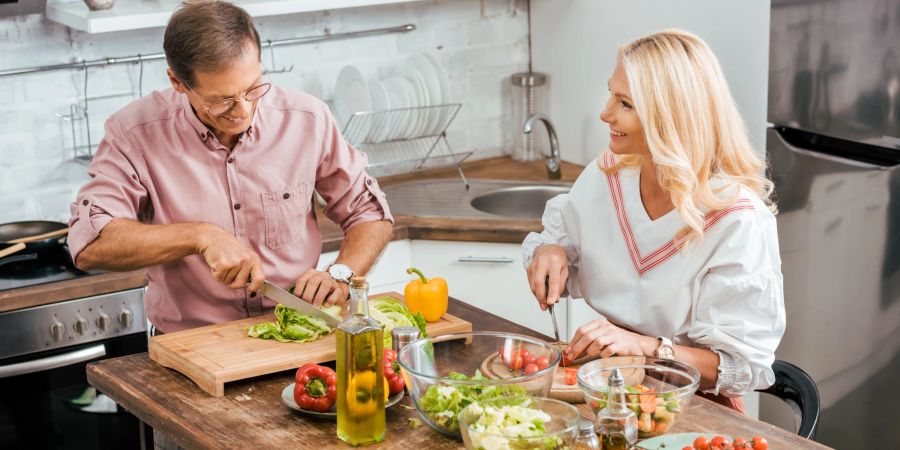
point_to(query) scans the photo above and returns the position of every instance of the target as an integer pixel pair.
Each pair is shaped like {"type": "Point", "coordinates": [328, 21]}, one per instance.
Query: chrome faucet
{"type": "Point", "coordinates": [554, 171]}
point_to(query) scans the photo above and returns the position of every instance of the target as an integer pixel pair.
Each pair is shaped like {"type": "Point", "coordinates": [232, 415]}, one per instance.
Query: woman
{"type": "Point", "coordinates": [670, 235]}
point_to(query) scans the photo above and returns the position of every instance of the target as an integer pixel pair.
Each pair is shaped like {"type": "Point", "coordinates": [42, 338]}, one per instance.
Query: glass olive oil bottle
{"type": "Point", "coordinates": [360, 372]}
{"type": "Point", "coordinates": [616, 424]}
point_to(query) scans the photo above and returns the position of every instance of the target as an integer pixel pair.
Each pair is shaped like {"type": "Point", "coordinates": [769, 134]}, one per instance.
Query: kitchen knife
{"type": "Point", "coordinates": [287, 299]}
{"type": "Point", "coordinates": [555, 326]}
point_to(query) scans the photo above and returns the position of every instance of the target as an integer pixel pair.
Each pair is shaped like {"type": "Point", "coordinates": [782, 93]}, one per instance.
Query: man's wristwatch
{"type": "Point", "coordinates": [340, 273]}
{"type": "Point", "coordinates": [664, 350]}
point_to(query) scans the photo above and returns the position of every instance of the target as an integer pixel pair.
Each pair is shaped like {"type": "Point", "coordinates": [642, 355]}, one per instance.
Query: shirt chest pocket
{"type": "Point", "coordinates": [286, 213]}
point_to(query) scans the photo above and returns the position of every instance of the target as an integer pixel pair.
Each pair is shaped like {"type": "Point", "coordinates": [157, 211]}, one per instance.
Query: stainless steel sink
{"type": "Point", "coordinates": [525, 202]}
{"type": "Point", "coordinates": [485, 199]}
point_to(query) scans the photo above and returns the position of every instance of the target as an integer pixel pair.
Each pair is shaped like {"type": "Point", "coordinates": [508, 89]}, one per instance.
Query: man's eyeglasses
{"type": "Point", "coordinates": [220, 107]}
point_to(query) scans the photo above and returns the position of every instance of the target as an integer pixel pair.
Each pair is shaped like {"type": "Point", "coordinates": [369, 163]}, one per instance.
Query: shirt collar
{"type": "Point", "coordinates": [205, 134]}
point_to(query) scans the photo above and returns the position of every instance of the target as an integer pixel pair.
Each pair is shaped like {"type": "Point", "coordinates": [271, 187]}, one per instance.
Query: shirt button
{"type": "Point", "coordinates": [252, 294]}
{"type": "Point", "coordinates": [286, 196]}
{"type": "Point", "coordinates": [230, 159]}
{"type": "Point", "coordinates": [237, 206]}
{"type": "Point", "coordinates": [85, 202]}
{"type": "Point", "coordinates": [369, 181]}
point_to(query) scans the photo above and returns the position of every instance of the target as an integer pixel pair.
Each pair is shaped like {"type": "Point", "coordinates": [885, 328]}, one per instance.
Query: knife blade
{"type": "Point", "coordinates": [555, 326]}
{"type": "Point", "coordinates": [291, 301]}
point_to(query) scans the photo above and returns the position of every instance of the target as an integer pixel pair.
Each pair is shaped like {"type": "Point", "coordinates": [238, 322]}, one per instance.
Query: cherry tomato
{"type": "Point", "coordinates": [543, 362]}
{"type": "Point", "coordinates": [739, 443]}
{"type": "Point", "coordinates": [531, 368]}
{"type": "Point", "coordinates": [514, 361]}
{"type": "Point", "coordinates": [527, 358]}
{"type": "Point", "coordinates": [718, 441]}
{"type": "Point", "coordinates": [701, 443]}
{"type": "Point", "coordinates": [760, 443]}
{"type": "Point", "coordinates": [687, 447]}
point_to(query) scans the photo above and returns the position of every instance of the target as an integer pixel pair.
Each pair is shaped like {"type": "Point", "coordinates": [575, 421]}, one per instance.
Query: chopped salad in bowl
{"type": "Point", "coordinates": [519, 423]}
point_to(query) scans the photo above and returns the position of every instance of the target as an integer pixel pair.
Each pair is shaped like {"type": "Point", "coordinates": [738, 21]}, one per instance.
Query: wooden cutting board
{"type": "Point", "coordinates": [216, 354]}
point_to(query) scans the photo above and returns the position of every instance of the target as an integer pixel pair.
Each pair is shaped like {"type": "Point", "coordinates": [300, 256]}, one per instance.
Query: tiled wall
{"type": "Point", "coordinates": [480, 42]}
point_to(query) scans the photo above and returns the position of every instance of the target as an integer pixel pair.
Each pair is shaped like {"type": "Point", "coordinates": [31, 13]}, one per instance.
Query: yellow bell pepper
{"type": "Point", "coordinates": [425, 296]}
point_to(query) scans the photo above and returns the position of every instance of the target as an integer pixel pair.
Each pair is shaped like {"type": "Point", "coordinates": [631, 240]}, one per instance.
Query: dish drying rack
{"type": "Point", "coordinates": [404, 140]}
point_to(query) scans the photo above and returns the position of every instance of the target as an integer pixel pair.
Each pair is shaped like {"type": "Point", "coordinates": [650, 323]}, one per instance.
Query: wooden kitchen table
{"type": "Point", "coordinates": [251, 414]}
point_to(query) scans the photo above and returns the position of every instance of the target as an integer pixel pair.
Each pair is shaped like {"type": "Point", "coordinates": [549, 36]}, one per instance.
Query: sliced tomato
{"type": "Point", "coordinates": [571, 376]}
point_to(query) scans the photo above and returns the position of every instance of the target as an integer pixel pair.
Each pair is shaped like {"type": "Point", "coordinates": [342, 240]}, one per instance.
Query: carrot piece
{"type": "Point", "coordinates": [648, 401]}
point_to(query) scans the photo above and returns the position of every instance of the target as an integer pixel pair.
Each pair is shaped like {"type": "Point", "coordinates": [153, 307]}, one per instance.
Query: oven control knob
{"type": "Point", "coordinates": [80, 325]}
{"type": "Point", "coordinates": [125, 318]}
{"type": "Point", "coordinates": [103, 321]}
{"type": "Point", "coordinates": [57, 330]}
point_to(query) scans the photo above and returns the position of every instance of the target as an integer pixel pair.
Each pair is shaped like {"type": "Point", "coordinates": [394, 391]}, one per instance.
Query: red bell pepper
{"type": "Point", "coordinates": [315, 387]}
{"type": "Point", "coordinates": [392, 372]}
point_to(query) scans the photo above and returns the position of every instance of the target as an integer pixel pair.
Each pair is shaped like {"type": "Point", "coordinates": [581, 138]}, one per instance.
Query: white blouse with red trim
{"type": "Point", "coordinates": [723, 292]}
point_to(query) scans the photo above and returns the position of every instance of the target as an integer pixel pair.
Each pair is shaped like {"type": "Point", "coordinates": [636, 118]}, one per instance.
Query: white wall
{"type": "Point", "coordinates": [575, 42]}
{"type": "Point", "coordinates": [481, 42]}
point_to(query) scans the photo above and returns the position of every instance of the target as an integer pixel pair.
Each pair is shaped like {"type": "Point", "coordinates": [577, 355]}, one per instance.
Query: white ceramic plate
{"type": "Point", "coordinates": [380, 102]}
{"type": "Point", "coordinates": [287, 397]}
{"type": "Point", "coordinates": [419, 120]}
{"type": "Point", "coordinates": [444, 82]}
{"type": "Point", "coordinates": [351, 94]}
{"type": "Point", "coordinates": [675, 441]}
{"type": "Point", "coordinates": [432, 84]}
{"type": "Point", "coordinates": [399, 95]}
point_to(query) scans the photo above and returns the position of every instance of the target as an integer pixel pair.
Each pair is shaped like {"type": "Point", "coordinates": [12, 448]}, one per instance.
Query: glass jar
{"type": "Point", "coordinates": [587, 437]}
{"type": "Point", "coordinates": [528, 95]}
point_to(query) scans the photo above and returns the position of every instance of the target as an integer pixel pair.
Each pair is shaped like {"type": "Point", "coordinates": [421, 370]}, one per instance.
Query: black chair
{"type": "Point", "coordinates": [795, 387]}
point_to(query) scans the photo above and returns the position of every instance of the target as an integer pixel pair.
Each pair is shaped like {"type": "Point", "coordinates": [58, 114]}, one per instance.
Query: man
{"type": "Point", "coordinates": [209, 185]}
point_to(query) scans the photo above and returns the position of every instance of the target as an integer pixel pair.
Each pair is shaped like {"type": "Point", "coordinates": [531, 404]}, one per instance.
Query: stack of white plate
{"type": "Point", "coordinates": [421, 81]}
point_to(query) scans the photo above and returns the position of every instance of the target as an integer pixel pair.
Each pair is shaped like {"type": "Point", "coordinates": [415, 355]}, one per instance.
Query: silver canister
{"type": "Point", "coordinates": [400, 336]}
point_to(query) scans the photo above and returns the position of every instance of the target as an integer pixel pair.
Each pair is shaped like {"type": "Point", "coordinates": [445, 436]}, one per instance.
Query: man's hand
{"type": "Point", "coordinates": [605, 339]}
{"type": "Point", "coordinates": [547, 274]}
{"type": "Point", "coordinates": [319, 288]}
{"type": "Point", "coordinates": [231, 262]}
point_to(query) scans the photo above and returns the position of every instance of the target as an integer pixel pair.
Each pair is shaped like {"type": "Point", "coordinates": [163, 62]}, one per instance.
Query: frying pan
{"type": "Point", "coordinates": [17, 230]}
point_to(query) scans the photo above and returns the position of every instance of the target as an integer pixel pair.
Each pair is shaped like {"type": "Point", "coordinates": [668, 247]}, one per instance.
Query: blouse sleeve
{"type": "Point", "coordinates": [739, 308]}
{"type": "Point", "coordinates": [555, 232]}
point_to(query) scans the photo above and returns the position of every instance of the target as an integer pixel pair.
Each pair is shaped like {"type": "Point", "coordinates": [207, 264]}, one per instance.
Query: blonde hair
{"type": "Point", "coordinates": [692, 126]}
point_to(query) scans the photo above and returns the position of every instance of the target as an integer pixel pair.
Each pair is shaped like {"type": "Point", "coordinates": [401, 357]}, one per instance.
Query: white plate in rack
{"type": "Point", "coordinates": [351, 94]}
{"type": "Point", "coordinates": [433, 86]}
{"type": "Point", "coordinates": [399, 94]}
{"type": "Point", "coordinates": [419, 120]}
{"type": "Point", "coordinates": [380, 102]}
{"type": "Point", "coordinates": [444, 82]}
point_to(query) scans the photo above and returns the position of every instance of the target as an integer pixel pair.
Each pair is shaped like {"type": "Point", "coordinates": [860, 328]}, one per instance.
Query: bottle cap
{"type": "Point", "coordinates": [615, 378]}
{"type": "Point", "coordinates": [586, 427]}
{"type": "Point", "coordinates": [400, 336]}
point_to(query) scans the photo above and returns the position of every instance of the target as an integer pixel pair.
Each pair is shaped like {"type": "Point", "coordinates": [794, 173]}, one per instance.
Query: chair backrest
{"type": "Point", "coordinates": [796, 388]}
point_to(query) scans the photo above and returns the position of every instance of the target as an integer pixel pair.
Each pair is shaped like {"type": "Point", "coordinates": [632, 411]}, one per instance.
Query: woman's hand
{"type": "Point", "coordinates": [602, 338]}
{"type": "Point", "coordinates": [547, 274]}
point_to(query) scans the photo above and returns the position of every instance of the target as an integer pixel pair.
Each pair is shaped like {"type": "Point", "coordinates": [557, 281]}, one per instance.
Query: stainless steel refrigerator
{"type": "Point", "coordinates": [834, 150]}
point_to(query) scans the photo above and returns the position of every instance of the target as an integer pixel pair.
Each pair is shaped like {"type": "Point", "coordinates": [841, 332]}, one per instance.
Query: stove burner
{"type": "Point", "coordinates": [32, 268]}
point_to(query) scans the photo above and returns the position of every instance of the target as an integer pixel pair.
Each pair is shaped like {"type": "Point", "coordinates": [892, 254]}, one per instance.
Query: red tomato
{"type": "Point", "coordinates": [739, 443]}
{"type": "Point", "coordinates": [687, 447]}
{"type": "Point", "coordinates": [718, 441]}
{"type": "Point", "coordinates": [571, 376]}
{"type": "Point", "coordinates": [760, 443]}
{"type": "Point", "coordinates": [701, 443]}
{"type": "Point", "coordinates": [543, 362]}
{"type": "Point", "coordinates": [514, 361]}
{"type": "Point", "coordinates": [531, 368]}
{"type": "Point", "coordinates": [527, 358]}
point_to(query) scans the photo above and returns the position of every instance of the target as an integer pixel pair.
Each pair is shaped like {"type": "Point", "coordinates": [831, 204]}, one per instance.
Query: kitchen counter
{"type": "Point", "coordinates": [405, 227]}
{"type": "Point", "coordinates": [251, 415]}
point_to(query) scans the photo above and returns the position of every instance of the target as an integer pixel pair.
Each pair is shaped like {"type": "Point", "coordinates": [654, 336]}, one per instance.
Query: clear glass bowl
{"type": "Point", "coordinates": [427, 364]}
{"type": "Point", "coordinates": [657, 390]}
{"type": "Point", "coordinates": [561, 430]}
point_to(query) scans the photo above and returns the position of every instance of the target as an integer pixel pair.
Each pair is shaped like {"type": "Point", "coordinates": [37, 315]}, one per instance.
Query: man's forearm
{"type": "Point", "coordinates": [362, 245]}
{"type": "Point", "coordinates": [126, 245]}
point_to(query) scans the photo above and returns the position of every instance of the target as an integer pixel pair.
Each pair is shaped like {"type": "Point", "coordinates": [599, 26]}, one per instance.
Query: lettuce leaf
{"type": "Point", "coordinates": [291, 326]}
{"type": "Point", "coordinates": [443, 402]}
{"type": "Point", "coordinates": [390, 313]}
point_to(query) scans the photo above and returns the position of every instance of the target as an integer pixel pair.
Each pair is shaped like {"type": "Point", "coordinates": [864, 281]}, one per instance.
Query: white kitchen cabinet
{"type": "Point", "coordinates": [489, 276]}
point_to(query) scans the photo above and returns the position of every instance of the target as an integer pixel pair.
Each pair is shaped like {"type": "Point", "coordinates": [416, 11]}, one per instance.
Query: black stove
{"type": "Point", "coordinates": [29, 269]}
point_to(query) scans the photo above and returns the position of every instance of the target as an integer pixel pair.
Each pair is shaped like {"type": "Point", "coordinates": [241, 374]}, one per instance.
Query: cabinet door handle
{"type": "Point", "coordinates": [484, 259]}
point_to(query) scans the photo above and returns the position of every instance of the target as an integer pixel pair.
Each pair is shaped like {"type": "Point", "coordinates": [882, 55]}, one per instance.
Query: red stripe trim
{"type": "Point", "coordinates": [643, 264]}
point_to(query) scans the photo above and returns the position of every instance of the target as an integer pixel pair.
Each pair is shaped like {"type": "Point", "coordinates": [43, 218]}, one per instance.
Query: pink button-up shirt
{"type": "Point", "coordinates": [159, 164]}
